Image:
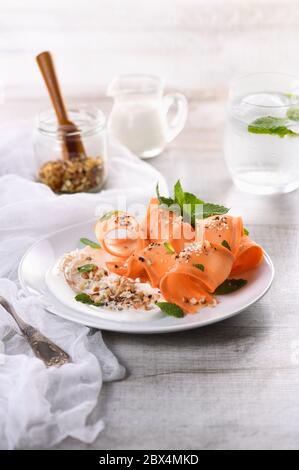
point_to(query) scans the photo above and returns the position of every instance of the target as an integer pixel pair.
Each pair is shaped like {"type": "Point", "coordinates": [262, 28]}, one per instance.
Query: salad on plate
{"type": "Point", "coordinates": [175, 261]}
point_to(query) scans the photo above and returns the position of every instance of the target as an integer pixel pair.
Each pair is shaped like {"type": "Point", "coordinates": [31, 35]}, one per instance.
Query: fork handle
{"type": "Point", "coordinates": [43, 347]}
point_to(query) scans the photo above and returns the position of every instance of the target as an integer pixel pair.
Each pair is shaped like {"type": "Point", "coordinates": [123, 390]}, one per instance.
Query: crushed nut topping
{"type": "Point", "coordinates": [113, 291]}
{"type": "Point", "coordinates": [195, 247]}
{"type": "Point", "coordinates": [217, 223]}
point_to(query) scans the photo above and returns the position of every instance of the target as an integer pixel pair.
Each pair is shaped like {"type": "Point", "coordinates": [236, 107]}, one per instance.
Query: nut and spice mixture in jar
{"type": "Point", "coordinates": [72, 176]}
{"type": "Point", "coordinates": [80, 173]}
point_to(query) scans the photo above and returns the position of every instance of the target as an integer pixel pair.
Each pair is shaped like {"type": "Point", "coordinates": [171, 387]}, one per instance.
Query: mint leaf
{"type": "Point", "coordinates": [293, 113]}
{"type": "Point", "coordinates": [193, 208]}
{"type": "Point", "coordinates": [168, 201]}
{"type": "Point", "coordinates": [179, 195]}
{"type": "Point", "coordinates": [229, 286]}
{"type": "Point", "coordinates": [226, 245]}
{"type": "Point", "coordinates": [169, 248]}
{"type": "Point", "coordinates": [108, 215]}
{"type": "Point", "coordinates": [90, 243]}
{"type": "Point", "coordinates": [171, 309]}
{"type": "Point", "coordinates": [199, 266]}
{"type": "Point", "coordinates": [86, 299]}
{"type": "Point", "coordinates": [270, 125]}
{"type": "Point", "coordinates": [246, 232]}
{"type": "Point", "coordinates": [291, 95]}
{"type": "Point", "coordinates": [192, 199]}
{"type": "Point", "coordinates": [213, 209]}
{"type": "Point", "coordinates": [189, 205]}
{"type": "Point", "coordinates": [86, 268]}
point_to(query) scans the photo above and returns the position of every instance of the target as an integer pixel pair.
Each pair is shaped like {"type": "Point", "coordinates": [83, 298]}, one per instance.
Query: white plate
{"type": "Point", "coordinates": [43, 254]}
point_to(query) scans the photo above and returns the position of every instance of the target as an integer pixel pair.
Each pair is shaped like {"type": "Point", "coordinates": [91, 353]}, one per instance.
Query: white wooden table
{"type": "Point", "coordinates": [232, 385]}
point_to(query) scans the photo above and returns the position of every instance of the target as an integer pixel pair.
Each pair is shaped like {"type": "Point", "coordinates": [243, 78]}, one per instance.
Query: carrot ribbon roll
{"type": "Point", "coordinates": [187, 264]}
{"type": "Point", "coordinates": [149, 264]}
{"type": "Point", "coordinates": [249, 255]}
{"type": "Point", "coordinates": [225, 230]}
{"type": "Point", "coordinates": [198, 271]}
{"type": "Point", "coordinates": [117, 233]}
{"type": "Point", "coordinates": [229, 232]}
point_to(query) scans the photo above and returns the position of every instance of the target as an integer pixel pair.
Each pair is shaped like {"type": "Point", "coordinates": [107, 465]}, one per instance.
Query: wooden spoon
{"type": "Point", "coordinates": [72, 144]}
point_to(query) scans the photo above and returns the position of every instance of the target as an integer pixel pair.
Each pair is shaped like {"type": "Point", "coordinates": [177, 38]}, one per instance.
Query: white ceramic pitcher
{"type": "Point", "coordinates": [142, 118]}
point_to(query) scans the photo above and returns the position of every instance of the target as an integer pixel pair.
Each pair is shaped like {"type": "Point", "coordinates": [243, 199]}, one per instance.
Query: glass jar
{"type": "Point", "coordinates": [83, 174]}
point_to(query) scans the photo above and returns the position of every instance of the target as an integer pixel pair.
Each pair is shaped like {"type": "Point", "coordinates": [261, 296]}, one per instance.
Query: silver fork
{"type": "Point", "coordinates": [43, 348]}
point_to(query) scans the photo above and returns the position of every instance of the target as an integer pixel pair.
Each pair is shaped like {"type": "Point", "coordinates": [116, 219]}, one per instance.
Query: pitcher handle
{"type": "Point", "coordinates": [177, 123]}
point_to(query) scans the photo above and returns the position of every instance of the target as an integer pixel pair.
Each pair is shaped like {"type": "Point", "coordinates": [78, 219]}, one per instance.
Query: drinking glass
{"type": "Point", "coordinates": [262, 133]}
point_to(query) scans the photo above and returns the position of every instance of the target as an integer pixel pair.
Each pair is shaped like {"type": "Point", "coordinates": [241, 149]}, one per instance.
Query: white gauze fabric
{"type": "Point", "coordinates": [39, 406]}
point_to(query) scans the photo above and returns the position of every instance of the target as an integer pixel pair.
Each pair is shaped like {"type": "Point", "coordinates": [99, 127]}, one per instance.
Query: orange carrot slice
{"type": "Point", "coordinates": [225, 230]}
{"type": "Point", "coordinates": [117, 233]}
{"type": "Point", "coordinates": [149, 264]}
{"type": "Point", "coordinates": [161, 250]}
{"type": "Point", "coordinates": [249, 256]}
{"type": "Point", "coordinates": [198, 271]}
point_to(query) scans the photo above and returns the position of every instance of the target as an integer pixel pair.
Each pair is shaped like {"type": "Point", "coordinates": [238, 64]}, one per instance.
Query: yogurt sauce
{"type": "Point", "coordinates": [58, 287]}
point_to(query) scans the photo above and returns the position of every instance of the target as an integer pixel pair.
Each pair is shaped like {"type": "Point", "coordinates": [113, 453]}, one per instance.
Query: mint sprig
{"type": "Point", "coordinates": [167, 201]}
{"type": "Point", "coordinates": [229, 286]}
{"type": "Point", "coordinates": [169, 248]}
{"type": "Point", "coordinates": [199, 266]}
{"type": "Point", "coordinates": [90, 243]}
{"type": "Point", "coordinates": [179, 194]}
{"type": "Point", "coordinates": [86, 299]}
{"type": "Point", "coordinates": [271, 125]}
{"type": "Point", "coordinates": [226, 245]}
{"type": "Point", "coordinates": [86, 268]}
{"type": "Point", "coordinates": [189, 205]}
{"type": "Point", "coordinates": [293, 113]}
{"type": "Point", "coordinates": [171, 309]}
{"type": "Point", "coordinates": [210, 209]}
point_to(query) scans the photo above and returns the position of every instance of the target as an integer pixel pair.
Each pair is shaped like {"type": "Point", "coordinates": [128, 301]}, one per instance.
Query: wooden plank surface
{"type": "Point", "coordinates": [230, 385]}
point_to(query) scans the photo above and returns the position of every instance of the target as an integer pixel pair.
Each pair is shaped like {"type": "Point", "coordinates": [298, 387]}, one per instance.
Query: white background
{"type": "Point", "coordinates": [194, 44]}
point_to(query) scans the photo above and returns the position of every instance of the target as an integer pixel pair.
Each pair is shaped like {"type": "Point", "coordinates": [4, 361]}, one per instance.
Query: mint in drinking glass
{"type": "Point", "coordinates": [271, 125]}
